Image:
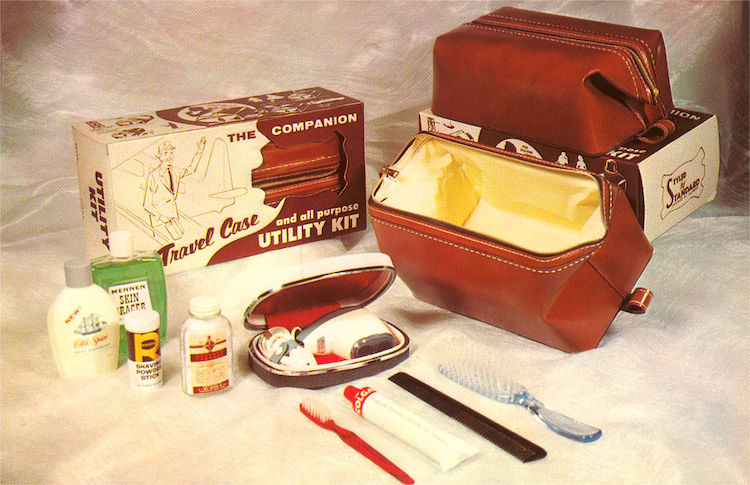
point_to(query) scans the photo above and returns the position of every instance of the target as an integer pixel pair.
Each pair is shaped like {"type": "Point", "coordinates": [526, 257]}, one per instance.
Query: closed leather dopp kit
{"type": "Point", "coordinates": [563, 81]}
{"type": "Point", "coordinates": [301, 170]}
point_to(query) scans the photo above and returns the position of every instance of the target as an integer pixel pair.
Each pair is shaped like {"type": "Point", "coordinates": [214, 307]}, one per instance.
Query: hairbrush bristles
{"type": "Point", "coordinates": [480, 379]}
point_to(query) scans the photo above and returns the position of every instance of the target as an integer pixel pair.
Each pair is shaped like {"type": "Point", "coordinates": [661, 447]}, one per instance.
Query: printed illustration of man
{"type": "Point", "coordinates": [162, 188]}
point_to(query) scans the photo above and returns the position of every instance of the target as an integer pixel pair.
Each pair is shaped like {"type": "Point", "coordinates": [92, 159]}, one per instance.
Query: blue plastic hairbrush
{"type": "Point", "coordinates": [494, 386]}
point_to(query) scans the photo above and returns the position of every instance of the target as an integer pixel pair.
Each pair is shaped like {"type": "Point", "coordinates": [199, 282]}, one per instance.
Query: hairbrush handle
{"type": "Point", "coordinates": [563, 425]}
{"type": "Point", "coordinates": [351, 439]}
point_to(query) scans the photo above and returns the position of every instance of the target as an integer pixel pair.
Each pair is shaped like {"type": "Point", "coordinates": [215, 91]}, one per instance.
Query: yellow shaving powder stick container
{"type": "Point", "coordinates": [144, 349]}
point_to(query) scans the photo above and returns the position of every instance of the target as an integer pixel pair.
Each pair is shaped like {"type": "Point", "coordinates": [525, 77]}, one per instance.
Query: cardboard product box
{"type": "Point", "coordinates": [664, 182]}
{"type": "Point", "coordinates": [212, 182]}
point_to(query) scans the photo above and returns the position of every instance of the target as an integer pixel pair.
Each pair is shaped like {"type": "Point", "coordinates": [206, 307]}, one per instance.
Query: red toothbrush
{"type": "Point", "coordinates": [320, 415]}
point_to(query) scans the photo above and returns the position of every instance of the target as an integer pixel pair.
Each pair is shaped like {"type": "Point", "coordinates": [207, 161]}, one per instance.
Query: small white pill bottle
{"type": "Point", "coordinates": [206, 349]}
{"type": "Point", "coordinates": [144, 349]}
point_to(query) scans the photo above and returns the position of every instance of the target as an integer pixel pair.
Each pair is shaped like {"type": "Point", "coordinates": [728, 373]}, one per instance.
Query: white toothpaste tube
{"type": "Point", "coordinates": [446, 449]}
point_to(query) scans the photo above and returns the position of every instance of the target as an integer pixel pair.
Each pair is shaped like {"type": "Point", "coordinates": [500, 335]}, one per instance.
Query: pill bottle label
{"type": "Point", "coordinates": [209, 363]}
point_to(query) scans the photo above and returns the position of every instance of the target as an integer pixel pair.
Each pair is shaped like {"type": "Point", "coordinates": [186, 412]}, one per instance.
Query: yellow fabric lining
{"type": "Point", "coordinates": [538, 208]}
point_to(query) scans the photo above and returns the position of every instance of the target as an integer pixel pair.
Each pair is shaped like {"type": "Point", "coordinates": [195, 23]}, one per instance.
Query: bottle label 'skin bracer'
{"type": "Point", "coordinates": [209, 364]}
{"type": "Point", "coordinates": [131, 296]}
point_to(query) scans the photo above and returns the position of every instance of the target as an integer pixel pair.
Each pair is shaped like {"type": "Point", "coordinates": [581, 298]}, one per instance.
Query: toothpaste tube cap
{"type": "Point", "coordinates": [357, 397]}
{"type": "Point", "coordinates": [351, 393]}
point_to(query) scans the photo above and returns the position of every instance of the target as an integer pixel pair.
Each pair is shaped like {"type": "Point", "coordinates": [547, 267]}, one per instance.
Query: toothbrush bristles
{"type": "Point", "coordinates": [315, 410]}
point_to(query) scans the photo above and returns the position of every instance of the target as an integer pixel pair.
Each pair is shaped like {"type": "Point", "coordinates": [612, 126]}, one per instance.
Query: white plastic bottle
{"type": "Point", "coordinates": [83, 325]}
{"type": "Point", "coordinates": [206, 348]}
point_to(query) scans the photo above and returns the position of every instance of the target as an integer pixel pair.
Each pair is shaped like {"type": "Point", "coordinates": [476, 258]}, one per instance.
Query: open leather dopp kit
{"type": "Point", "coordinates": [545, 262]}
{"type": "Point", "coordinates": [552, 155]}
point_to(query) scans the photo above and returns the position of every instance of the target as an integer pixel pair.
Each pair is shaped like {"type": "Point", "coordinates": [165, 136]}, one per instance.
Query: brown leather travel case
{"type": "Point", "coordinates": [300, 170]}
{"type": "Point", "coordinates": [566, 82]}
{"type": "Point", "coordinates": [548, 252]}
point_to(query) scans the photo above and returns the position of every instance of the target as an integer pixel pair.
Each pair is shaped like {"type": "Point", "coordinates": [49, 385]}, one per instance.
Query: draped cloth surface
{"type": "Point", "coordinates": [669, 388]}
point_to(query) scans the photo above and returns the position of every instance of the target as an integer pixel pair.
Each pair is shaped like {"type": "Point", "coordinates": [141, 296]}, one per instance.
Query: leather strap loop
{"type": "Point", "coordinates": [657, 132]}
{"type": "Point", "coordinates": [637, 302]}
{"type": "Point", "coordinates": [612, 173]}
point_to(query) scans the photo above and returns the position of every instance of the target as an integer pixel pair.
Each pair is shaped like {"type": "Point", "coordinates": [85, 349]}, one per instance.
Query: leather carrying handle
{"type": "Point", "coordinates": [657, 132]}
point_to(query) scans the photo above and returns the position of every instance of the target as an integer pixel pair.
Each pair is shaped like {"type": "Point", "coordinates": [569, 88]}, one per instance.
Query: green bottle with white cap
{"type": "Point", "coordinates": [134, 281]}
{"type": "Point", "coordinates": [83, 325]}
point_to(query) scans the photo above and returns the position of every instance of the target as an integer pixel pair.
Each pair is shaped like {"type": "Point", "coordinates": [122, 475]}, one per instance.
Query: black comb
{"type": "Point", "coordinates": [506, 439]}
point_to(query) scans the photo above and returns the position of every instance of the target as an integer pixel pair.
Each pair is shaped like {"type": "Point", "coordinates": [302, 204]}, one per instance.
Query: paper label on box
{"type": "Point", "coordinates": [685, 183]}
{"type": "Point", "coordinates": [436, 124]}
{"type": "Point", "coordinates": [182, 192]}
{"type": "Point", "coordinates": [680, 177]}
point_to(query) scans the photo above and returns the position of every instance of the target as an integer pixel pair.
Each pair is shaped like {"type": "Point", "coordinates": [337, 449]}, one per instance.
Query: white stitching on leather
{"type": "Point", "coordinates": [593, 247]}
{"type": "Point", "coordinates": [292, 164]}
{"type": "Point", "coordinates": [505, 248]}
{"type": "Point", "coordinates": [485, 255]}
{"type": "Point", "coordinates": [571, 42]}
{"type": "Point", "coordinates": [586, 31]}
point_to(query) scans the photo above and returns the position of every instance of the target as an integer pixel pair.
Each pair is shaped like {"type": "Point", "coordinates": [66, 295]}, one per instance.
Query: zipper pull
{"type": "Point", "coordinates": [389, 172]}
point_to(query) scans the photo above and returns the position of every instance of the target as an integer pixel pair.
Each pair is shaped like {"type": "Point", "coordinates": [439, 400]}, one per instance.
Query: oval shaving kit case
{"type": "Point", "coordinates": [315, 331]}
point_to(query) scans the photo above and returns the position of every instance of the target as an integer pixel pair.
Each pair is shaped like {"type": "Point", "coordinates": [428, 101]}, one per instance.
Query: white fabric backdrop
{"type": "Point", "coordinates": [669, 389]}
